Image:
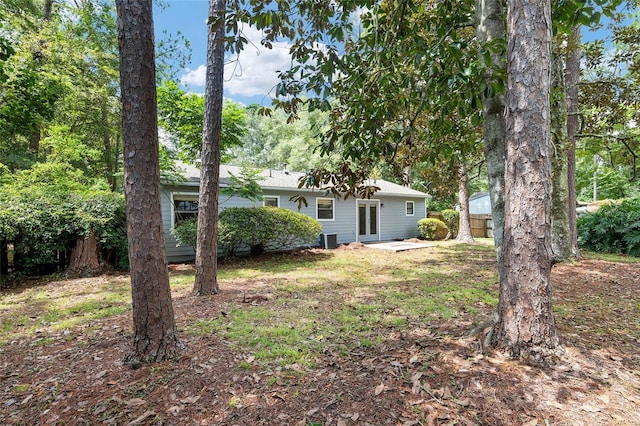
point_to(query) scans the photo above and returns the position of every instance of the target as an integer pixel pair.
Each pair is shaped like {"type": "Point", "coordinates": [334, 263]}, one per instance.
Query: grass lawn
{"type": "Point", "coordinates": [321, 337]}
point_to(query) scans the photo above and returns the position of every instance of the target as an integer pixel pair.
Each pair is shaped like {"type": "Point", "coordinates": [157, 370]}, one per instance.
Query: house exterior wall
{"type": "Point", "coordinates": [393, 220]}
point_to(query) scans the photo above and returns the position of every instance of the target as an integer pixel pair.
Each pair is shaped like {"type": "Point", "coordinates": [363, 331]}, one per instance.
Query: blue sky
{"type": "Point", "coordinates": [249, 80]}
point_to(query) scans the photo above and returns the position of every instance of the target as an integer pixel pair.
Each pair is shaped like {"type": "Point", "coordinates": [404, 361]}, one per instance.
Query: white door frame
{"type": "Point", "coordinates": [368, 236]}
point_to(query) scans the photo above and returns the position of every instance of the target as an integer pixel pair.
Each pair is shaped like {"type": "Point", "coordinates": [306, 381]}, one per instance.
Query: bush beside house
{"type": "Point", "coordinates": [432, 229]}
{"type": "Point", "coordinates": [255, 229]}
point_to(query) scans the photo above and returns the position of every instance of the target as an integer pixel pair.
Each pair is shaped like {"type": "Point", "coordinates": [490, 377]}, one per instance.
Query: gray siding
{"type": "Point", "coordinates": [394, 223]}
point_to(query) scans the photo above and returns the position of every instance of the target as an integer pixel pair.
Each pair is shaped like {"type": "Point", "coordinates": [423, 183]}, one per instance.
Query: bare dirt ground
{"type": "Point", "coordinates": [416, 377]}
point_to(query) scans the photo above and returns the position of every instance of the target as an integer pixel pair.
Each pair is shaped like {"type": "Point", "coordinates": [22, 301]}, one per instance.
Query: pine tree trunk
{"type": "Point", "coordinates": [207, 244]}
{"type": "Point", "coordinates": [464, 228]}
{"type": "Point", "coordinates": [560, 234]}
{"type": "Point", "coordinates": [155, 337]}
{"type": "Point", "coordinates": [491, 28]}
{"type": "Point", "coordinates": [85, 258]}
{"type": "Point", "coordinates": [525, 320]}
{"type": "Point", "coordinates": [572, 79]}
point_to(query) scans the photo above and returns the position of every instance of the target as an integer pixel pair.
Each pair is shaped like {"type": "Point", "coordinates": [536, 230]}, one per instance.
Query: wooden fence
{"type": "Point", "coordinates": [481, 224]}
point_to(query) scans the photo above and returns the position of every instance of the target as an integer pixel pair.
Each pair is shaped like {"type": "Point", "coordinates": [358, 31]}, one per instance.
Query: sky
{"type": "Point", "coordinates": [253, 77]}
{"type": "Point", "coordinates": [249, 80]}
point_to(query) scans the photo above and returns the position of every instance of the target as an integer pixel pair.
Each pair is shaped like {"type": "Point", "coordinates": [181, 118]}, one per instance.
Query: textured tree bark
{"type": "Point", "coordinates": [572, 78]}
{"type": "Point", "coordinates": [155, 337]}
{"type": "Point", "coordinates": [464, 228]}
{"type": "Point", "coordinates": [525, 326]}
{"type": "Point", "coordinates": [207, 243]}
{"type": "Point", "coordinates": [560, 234]}
{"type": "Point", "coordinates": [491, 28]}
{"type": "Point", "coordinates": [85, 258]}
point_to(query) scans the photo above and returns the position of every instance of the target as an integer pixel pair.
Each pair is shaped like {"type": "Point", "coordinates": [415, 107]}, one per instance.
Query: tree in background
{"type": "Point", "coordinates": [608, 142]}
{"type": "Point", "coordinates": [272, 142]}
{"type": "Point", "coordinates": [207, 242]}
{"type": "Point", "coordinates": [181, 114]}
{"type": "Point", "coordinates": [155, 335]}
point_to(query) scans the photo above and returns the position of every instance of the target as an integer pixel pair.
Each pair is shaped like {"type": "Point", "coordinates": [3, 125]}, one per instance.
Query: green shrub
{"type": "Point", "coordinates": [45, 210]}
{"type": "Point", "coordinates": [291, 228]}
{"type": "Point", "coordinates": [432, 229]}
{"type": "Point", "coordinates": [615, 228]}
{"type": "Point", "coordinates": [256, 229]}
{"type": "Point", "coordinates": [241, 228]}
{"type": "Point", "coordinates": [185, 232]}
{"type": "Point", "coordinates": [452, 220]}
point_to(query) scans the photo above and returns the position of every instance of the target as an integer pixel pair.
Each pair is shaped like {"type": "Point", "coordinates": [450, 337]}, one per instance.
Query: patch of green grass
{"type": "Point", "coordinates": [43, 341]}
{"type": "Point", "coordinates": [52, 315]}
{"type": "Point", "coordinates": [10, 324]}
{"type": "Point", "coordinates": [21, 387]}
{"type": "Point", "coordinates": [611, 257]}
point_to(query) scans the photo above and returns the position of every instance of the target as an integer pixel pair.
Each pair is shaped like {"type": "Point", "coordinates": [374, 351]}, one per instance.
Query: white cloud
{"type": "Point", "coordinates": [253, 73]}
{"type": "Point", "coordinates": [195, 77]}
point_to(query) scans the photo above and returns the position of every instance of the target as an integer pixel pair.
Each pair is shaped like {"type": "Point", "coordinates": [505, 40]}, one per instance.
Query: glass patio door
{"type": "Point", "coordinates": [367, 220]}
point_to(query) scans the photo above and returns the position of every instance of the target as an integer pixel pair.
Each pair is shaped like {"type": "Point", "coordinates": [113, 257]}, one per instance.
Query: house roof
{"type": "Point", "coordinates": [286, 180]}
{"type": "Point", "coordinates": [477, 195]}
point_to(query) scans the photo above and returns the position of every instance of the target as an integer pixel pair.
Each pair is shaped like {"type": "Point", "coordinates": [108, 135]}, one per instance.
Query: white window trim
{"type": "Point", "coordinates": [277, 197]}
{"type": "Point", "coordinates": [333, 212]}
{"type": "Point", "coordinates": [406, 205]}
{"type": "Point", "coordinates": [179, 195]}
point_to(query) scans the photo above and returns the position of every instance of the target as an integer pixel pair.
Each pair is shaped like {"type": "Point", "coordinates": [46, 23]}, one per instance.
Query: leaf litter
{"type": "Point", "coordinates": [424, 374]}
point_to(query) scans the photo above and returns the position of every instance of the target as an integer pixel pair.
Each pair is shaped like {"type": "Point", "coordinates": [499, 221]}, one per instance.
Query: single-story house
{"type": "Point", "coordinates": [392, 213]}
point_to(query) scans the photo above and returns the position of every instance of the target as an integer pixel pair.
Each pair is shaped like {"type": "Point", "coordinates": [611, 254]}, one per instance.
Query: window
{"type": "Point", "coordinates": [271, 201]}
{"type": "Point", "coordinates": [410, 206]}
{"type": "Point", "coordinates": [184, 207]}
{"type": "Point", "coordinates": [325, 209]}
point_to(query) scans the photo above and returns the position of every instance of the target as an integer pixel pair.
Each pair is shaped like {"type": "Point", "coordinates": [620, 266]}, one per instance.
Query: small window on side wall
{"type": "Point", "coordinates": [410, 208]}
{"type": "Point", "coordinates": [271, 201]}
{"type": "Point", "coordinates": [325, 209]}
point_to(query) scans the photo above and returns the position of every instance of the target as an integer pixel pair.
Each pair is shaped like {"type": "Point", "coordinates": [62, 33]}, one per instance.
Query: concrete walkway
{"type": "Point", "coordinates": [398, 245]}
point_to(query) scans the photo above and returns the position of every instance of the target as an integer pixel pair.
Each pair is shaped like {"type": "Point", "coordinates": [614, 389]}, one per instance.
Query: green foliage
{"type": "Point", "coordinates": [615, 228]}
{"type": "Point", "coordinates": [432, 229]}
{"type": "Point", "coordinates": [440, 203]}
{"type": "Point", "coordinates": [452, 220]}
{"type": "Point", "coordinates": [265, 228]}
{"type": "Point", "coordinates": [182, 115]}
{"type": "Point", "coordinates": [271, 141]}
{"type": "Point", "coordinates": [45, 209]}
{"type": "Point", "coordinates": [186, 232]}
{"type": "Point", "coordinates": [255, 228]}
{"type": "Point", "coordinates": [246, 185]}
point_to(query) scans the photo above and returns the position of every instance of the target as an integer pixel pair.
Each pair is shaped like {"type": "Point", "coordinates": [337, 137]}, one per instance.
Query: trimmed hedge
{"type": "Point", "coordinates": [615, 228]}
{"type": "Point", "coordinates": [256, 229]}
{"type": "Point", "coordinates": [432, 229]}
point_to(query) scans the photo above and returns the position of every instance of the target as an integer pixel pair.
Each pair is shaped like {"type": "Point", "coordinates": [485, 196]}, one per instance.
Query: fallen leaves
{"type": "Point", "coordinates": [379, 389]}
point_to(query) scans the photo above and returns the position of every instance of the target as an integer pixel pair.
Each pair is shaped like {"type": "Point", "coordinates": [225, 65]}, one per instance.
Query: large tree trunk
{"type": "Point", "coordinates": [572, 79]}
{"type": "Point", "coordinates": [155, 336]}
{"type": "Point", "coordinates": [207, 245]}
{"type": "Point", "coordinates": [525, 320]}
{"type": "Point", "coordinates": [85, 258]}
{"type": "Point", "coordinates": [560, 234]}
{"type": "Point", "coordinates": [491, 29]}
{"type": "Point", "coordinates": [464, 228]}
